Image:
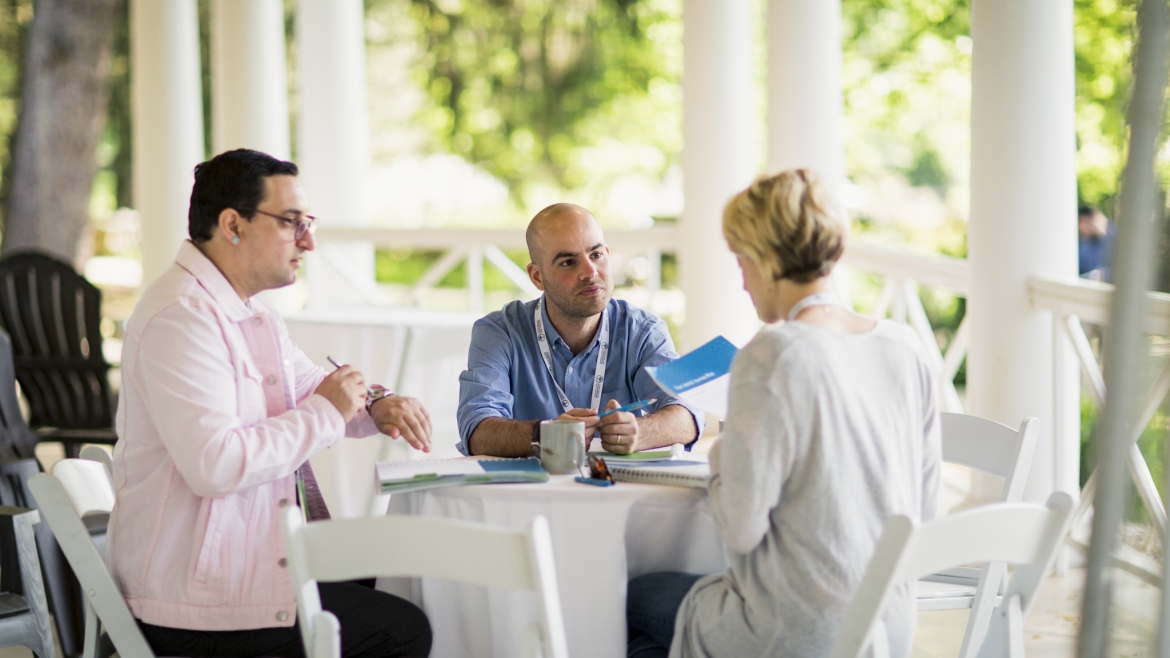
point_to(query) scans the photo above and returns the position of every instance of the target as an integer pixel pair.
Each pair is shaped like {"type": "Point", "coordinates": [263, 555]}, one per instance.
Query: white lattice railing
{"type": "Point", "coordinates": [1073, 303]}
{"type": "Point", "coordinates": [475, 247]}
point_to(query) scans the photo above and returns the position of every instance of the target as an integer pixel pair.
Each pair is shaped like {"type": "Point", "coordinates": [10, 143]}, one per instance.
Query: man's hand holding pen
{"type": "Point", "coordinates": [396, 416]}
{"type": "Point", "coordinates": [346, 389]}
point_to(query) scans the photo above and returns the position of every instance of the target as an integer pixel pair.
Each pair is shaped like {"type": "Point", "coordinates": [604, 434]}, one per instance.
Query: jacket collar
{"type": "Point", "coordinates": [213, 281]}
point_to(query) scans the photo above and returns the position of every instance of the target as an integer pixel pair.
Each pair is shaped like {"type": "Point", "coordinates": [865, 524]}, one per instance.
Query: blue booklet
{"type": "Point", "coordinates": [428, 474]}
{"type": "Point", "coordinates": [700, 377]}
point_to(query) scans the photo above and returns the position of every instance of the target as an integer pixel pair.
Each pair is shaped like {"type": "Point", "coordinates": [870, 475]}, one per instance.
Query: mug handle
{"type": "Point", "coordinates": [582, 458]}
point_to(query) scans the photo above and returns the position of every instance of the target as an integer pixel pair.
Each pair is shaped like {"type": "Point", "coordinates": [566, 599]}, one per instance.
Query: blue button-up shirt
{"type": "Point", "coordinates": [506, 376]}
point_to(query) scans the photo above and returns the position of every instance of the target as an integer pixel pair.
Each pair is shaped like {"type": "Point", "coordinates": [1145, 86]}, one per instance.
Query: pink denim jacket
{"type": "Point", "coordinates": [216, 413]}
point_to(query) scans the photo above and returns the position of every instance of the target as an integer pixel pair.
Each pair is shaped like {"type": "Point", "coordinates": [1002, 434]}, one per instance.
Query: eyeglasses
{"type": "Point", "coordinates": [598, 469]}
{"type": "Point", "coordinates": [303, 227]}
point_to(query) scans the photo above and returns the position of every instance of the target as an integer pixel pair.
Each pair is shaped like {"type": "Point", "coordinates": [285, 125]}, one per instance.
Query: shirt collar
{"type": "Point", "coordinates": [551, 332]}
{"type": "Point", "coordinates": [213, 281]}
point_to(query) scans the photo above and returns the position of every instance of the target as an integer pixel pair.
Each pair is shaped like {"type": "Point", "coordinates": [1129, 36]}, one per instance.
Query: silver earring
{"type": "Point", "coordinates": [235, 239]}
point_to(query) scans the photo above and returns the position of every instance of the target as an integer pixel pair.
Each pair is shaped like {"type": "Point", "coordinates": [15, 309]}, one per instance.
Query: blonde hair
{"type": "Point", "coordinates": [788, 224]}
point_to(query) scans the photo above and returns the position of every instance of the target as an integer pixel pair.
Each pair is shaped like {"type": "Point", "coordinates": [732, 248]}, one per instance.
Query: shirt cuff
{"type": "Point", "coordinates": [464, 444]}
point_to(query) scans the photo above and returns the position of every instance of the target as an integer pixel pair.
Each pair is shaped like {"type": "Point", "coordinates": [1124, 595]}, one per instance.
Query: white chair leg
{"type": "Point", "coordinates": [326, 636]}
{"type": "Point", "coordinates": [983, 608]}
{"type": "Point", "coordinates": [93, 629]}
{"type": "Point", "coordinates": [1005, 637]}
{"type": "Point", "coordinates": [879, 643]}
{"type": "Point", "coordinates": [1015, 628]}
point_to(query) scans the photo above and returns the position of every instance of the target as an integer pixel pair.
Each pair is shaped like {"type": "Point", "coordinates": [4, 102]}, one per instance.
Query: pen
{"type": "Point", "coordinates": [335, 364]}
{"type": "Point", "coordinates": [633, 406]}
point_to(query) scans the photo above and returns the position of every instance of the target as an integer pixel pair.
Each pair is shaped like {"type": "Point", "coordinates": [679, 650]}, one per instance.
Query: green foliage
{"type": "Point", "coordinates": [525, 88]}
{"type": "Point", "coordinates": [906, 73]}
{"type": "Point", "coordinates": [112, 187]}
{"type": "Point", "coordinates": [1103, 38]}
{"type": "Point", "coordinates": [15, 15]}
{"type": "Point", "coordinates": [1152, 445]}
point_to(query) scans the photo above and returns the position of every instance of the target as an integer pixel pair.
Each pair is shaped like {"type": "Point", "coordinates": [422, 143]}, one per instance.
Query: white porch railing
{"type": "Point", "coordinates": [1070, 302]}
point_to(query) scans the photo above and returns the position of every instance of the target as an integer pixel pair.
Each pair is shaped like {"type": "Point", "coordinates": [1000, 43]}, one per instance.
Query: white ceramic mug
{"type": "Point", "coordinates": [562, 446]}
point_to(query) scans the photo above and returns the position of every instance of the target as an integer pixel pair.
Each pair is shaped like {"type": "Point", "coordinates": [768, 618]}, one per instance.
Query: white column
{"type": "Point", "coordinates": [719, 159]}
{"type": "Point", "coordinates": [333, 135]}
{"type": "Point", "coordinates": [333, 154]}
{"type": "Point", "coordinates": [805, 102]}
{"type": "Point", "coordinates": [805, 97]}
{"type": "Point", "coordinates": [249, 96]}
{"type": "Point", "coordinates": [1023, 219]}
{"type": "Point", "coordinates": [168, 124]}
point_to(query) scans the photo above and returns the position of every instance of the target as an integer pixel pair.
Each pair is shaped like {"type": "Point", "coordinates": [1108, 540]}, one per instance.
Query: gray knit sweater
{"type": "Point", "coordinates": [827, 435]}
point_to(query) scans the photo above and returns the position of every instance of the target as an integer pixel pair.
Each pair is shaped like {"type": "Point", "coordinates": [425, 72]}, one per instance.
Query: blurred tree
{"type": "Point", "coordinates": [517, 85]}
{"type": "Point", "coordinates": [62, 113]}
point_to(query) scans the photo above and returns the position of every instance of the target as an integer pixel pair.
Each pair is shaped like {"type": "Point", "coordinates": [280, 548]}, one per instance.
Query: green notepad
{"type": "Point", "coordinates": [648, 454]}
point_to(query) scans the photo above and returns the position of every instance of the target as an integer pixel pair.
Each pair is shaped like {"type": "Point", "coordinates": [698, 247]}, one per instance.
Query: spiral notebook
{"type": "Point", "coordinates": [678, 473]}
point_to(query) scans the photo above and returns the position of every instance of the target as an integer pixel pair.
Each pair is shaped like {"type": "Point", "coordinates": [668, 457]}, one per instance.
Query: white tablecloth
{"type": "Point", "coordinates": [602, 537]}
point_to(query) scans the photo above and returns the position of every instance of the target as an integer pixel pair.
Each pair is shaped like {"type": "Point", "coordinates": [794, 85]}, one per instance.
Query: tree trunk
{"type": "Point", "coordinates": [62, 113]}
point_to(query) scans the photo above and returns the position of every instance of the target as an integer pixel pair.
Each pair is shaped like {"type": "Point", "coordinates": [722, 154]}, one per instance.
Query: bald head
{"type": "Point", "coordinates": [553, 226]}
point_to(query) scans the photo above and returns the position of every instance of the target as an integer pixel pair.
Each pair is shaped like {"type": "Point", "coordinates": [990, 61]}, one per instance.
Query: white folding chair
{"type": "Point", "coordinates": [78, 487]}
{"type": "Point", "coordinates": [1001, 451]}
{"type": "Point", "coordinates": [99, 454]}
{"type": "Point", "coordinates": [395, 545]}
{"type": "Point", "coordinates": [1026, 535]}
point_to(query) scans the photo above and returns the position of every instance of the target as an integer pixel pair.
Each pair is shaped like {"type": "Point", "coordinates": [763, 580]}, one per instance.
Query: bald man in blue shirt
{"type": "Point", "coordinates": [569, 353]}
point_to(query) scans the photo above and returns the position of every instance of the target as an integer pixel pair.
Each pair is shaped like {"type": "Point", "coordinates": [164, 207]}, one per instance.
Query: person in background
{"type": "Point", "coordinates": [832, 427]}
{"type": "Point", "coordinates": [218, 417]}
{"type": "Point", "coordinates": [566, 355]}
{"type": "Point", "coordinates": [1094, 245]}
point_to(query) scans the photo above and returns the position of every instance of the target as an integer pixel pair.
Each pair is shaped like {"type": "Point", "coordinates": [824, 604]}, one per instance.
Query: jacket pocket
{"type": "Point", "coordinates": [250, 385]}
{"type": "Point", "coordinates": [209, 547]}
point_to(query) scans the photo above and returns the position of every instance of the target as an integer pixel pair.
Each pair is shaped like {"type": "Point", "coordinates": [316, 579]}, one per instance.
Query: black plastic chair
{"type": "Point", "coordinates": [53, 316]}
{"type": "Point", "coordinates": [24, 617]}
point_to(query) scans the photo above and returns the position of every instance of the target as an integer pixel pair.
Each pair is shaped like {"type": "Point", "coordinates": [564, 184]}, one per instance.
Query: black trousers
{"type": "Point", "coordinates": [373, 624]}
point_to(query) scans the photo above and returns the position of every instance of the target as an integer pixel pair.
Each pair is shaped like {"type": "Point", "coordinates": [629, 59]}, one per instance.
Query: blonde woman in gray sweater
{"type": "Point", "coordinates": [832, 427]}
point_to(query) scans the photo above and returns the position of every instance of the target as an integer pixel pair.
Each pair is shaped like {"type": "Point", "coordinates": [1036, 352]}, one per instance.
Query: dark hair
{"type": "Point", "coordinates": [234, 179]}
{"type": "Point", "coordinates": [1085, 211]}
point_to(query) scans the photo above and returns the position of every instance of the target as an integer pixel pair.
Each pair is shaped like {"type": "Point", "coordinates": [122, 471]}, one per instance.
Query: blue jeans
{"type": "Point", "coordinates": [652, 602]}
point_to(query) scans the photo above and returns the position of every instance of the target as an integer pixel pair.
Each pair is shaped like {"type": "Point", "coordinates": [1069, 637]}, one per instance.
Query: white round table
{"type": "Point", "coordinates": [602, 537]}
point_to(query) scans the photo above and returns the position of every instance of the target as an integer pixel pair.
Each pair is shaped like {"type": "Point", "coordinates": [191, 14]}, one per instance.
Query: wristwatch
{"type": "Point", "coordinates": [374, 393]}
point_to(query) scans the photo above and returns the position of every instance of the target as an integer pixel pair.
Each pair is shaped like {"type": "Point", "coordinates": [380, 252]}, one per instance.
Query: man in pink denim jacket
{"type": "Point", "coordinates": [218, 411]}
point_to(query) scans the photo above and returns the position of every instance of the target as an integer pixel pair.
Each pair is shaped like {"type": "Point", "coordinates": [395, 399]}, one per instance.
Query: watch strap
{"type": "Point", "coordinates": [374, 393]}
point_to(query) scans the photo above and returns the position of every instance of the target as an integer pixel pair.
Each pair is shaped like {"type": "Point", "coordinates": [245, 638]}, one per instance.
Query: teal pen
{"type": "Point", "coordinates": [633, 406]}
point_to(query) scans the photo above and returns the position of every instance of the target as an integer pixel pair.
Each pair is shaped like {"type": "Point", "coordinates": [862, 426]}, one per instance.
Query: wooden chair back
{"type": "Point", "coordinates": [396, 545]}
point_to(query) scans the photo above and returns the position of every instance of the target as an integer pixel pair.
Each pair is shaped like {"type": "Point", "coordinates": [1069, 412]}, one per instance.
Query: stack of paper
{"type": "Point", "coordinates": [428, 474]}
{"type": "Point", "coordinates": [700, 377]}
